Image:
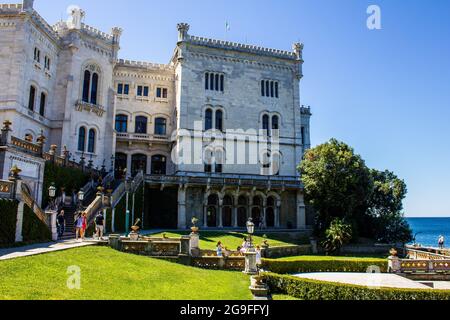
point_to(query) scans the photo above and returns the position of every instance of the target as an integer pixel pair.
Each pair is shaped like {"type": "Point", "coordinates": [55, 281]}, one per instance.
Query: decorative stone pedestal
{"type": "Point", "coordinates": [250, 263]}
{"type": "Point", "coordinates": [259, 289]}
{"type": "Point", "coordinates": [394, 264]}
{"type": "Point", "coordinates": [194, 244]}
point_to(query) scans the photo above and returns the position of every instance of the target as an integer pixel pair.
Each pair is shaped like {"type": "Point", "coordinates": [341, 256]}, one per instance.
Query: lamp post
{"type": "Point", "coordinates": [127, 211]}
{"type": "Point", "coordinates": [52, 194]}
{"type": "Point", "coordinates": [250, 253]}
{"type": "Point", "coordinates": [80, 200]}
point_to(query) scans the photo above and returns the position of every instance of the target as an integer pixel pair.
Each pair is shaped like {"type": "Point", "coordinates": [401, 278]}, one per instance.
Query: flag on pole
{"type": "Point", "coordinates": [227, 26]}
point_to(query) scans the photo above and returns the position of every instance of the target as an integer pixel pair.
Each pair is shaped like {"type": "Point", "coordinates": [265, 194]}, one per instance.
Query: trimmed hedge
{"type": "Point", "coordinates": [33, 229]}
{"type": "Point", "coordinates": [307, 289]}
{"type": "Point", "coordinates": [325, 265]}
{"type": "Point", "coordinates": [8, 217]}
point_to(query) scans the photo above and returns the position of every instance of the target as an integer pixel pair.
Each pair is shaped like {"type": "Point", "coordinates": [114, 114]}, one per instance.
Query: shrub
{"type": "Point", "coordinates": [324, 265]}
{"type": "Point", "coordinates": [33, 229]}
{"type": "Point", "coordinates": [8, 214]}
{"type": "Point", "coordinates": [307, 289]}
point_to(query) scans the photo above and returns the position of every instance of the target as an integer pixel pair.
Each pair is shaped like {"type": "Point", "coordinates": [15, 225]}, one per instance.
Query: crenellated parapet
{"type": "Point", "coordinates": [143, 64]}
{"type": "Point", "coordinates": [306, 110]}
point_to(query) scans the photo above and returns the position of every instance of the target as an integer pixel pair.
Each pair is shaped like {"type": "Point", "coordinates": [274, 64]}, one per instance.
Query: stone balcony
{"type": "Point", "coordinates": [89, 107]}
{"type": "Point", "coordinates": [226, 180]}
{"type": "Point", "coordinates": [142, 137]}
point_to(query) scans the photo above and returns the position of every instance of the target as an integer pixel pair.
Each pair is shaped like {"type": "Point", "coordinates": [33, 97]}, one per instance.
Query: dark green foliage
{"type": "Point", "coordinates": [337, 235]}
{"type": "Point", "coordinates": [8, 216]}
{"type": "Point", "coordinates": [34, 230]}
{"type": "Point", "coordinates": [69, 178]}
{"type": "Point", "coordinates": [322, 265]}
{"type": "Point", "coordinates": [338, 184]}
{"type": "Point", "coordinates": [306, 289]}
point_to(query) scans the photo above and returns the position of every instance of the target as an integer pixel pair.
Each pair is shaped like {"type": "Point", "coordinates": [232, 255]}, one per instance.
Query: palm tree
{"type": "Point", "coordinates": [338, 234]}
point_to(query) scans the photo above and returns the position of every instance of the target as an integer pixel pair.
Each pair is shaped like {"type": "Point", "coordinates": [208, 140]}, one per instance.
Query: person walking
{"type": "Point", "coordinates": [258, 256]}
{"type": "Point", "coordinates": [99, 225]}
{"type": "Point", "coordinates": [61, 224]}
{"type": "Point", "coordinates": [83, 226]}
{"type": "Point", "coordinates": [78, 226]}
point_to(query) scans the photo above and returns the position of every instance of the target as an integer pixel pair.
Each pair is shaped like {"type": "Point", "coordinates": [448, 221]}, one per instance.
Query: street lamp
{"type": "Point", "coordinates": [52, 195]}
{"type": "Point", "coordinates": [127, 211]}
{"type": "Point", "coordinates": [250, 253]}
{"type": "Point", "coordinates": [80, 200]}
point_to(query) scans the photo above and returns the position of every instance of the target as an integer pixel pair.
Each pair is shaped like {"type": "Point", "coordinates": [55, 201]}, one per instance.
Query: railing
{"type": "Point", "coordinates": [427, 253]}
{"type": "Point", "coordinates": [30, 202]}
{"type": "Point", "coordinates": [142, 137]}
{"type": "Point", "coordinates": [227, 180]}
{"type": "Point", "coordinates": [94, 108]}
{"type": "Point", "coordinates": [26, 146]}
{"type": "Point", "coordinates": [424, 266]}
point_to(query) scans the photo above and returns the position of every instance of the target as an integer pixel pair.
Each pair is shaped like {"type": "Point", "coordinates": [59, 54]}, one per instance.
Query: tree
{"type": "Point", "coordinates": [337, 235]}
{"type": "Point", "coordinates": [385, 207]}
{"type": "Point", "coordinates": [337, 182]}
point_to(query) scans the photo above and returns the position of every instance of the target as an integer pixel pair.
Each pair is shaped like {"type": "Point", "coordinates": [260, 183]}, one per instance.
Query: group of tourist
{"type": "Point", "coordinates": [223, 251]}
{"type": "Point", "coordinates": [80, 225]}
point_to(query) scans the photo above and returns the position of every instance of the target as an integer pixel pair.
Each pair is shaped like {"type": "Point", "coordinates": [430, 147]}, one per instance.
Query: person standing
{"type": "Point", "coordinates": [258, 256]}
{"type": "Point", "coordinates": [99, 225]}
{"type": "Point", "coordinates": [219, 249]}
{"type": "Point", "coordinates": [441, 242]}
{"type": "Point", "coordinates": [61, 224]}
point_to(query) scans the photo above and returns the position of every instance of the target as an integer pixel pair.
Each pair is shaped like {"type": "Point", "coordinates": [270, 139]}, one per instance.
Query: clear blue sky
{"type": "Point", "coordinates": [385, 92]}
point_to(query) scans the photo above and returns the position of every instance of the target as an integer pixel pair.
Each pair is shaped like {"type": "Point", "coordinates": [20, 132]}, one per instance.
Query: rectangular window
{"type": "Point", "coordinates": [139, 91]}
{"type": "Point", "coordinates": [120, 88]}
{"type": "Point", "coordinates": [145, 91]}
{"type": "Point", "coordinates": [32, 98]}
{"type": "Point", "coordinates": [206, 81]}
{"type": "Point", "coordinates": [208, 168]}
{"type": "Point", "coordinates": [272, 89]}
{"type": "Point", "coordinates": [162, 93]}
{"type": "Point", "coordinates": [42, 105]}
{"type": "Point", "coordinates": [262, 88]}
{"type": "Point", "coordinates": [126, 89]}
{"type": "Point", "coordinates": [276, 90]}
{"type": "Point", "coordinates": [222, 85]}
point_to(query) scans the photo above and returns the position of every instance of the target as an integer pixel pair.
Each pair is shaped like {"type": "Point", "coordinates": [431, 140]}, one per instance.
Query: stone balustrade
{"type": "Point", "coordinates": [422, 266]}
{"type": "Point", "coordinates": [426, 253]}
{"type": "Point", "coordinates": [89, 107]}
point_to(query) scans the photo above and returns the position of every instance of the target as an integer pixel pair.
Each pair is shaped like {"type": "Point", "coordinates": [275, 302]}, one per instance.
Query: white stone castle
{"type": "Point", "coordinates": [67, 82]}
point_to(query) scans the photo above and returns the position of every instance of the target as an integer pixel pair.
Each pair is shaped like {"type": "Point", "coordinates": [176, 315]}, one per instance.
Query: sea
{"type": "Point", "coordinates": [428, 230]}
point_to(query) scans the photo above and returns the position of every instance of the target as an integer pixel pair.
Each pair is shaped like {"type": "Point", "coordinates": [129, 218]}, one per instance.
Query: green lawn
{"type": "Point", "coordinates": [107, 274]}
{"type": "Point", "coordinates": [231, 240]}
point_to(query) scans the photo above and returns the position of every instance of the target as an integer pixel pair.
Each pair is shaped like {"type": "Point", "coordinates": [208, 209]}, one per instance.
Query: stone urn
{"type": "Point", "coordinates": [134, 235]}
{"type": "Point", "coordinates": [194, 229]}
{"type": "Point", "coordinates": [258, 288]}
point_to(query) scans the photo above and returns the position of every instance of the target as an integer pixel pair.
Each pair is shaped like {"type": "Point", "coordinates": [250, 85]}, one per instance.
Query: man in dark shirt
{"type": "Point", "coordinates": [99, 225]}
{"type": "Point", "coordinates": [61, 224]}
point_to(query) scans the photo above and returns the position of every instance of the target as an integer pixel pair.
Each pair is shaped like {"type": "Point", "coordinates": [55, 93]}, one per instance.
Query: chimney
{"type": "Point", "coordinates": [27, 5]}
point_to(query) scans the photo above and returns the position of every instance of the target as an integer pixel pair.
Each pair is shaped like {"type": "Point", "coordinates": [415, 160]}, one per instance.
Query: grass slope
{"type": "Point", "coordinates": [209, 240]}
{"type": "Point", "coordinates": [110, 275]}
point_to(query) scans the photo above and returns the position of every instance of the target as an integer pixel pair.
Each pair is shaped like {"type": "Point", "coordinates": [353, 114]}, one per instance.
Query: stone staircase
{"type": "Point", "coordinates": [69, 214]}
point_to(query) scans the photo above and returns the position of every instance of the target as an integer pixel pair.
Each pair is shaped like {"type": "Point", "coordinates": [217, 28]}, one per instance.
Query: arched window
{"type": "Point", "coordinates": [227, 211]}
{"type": "Point", "coordinates": [120, 164]}
{"type": "Point", "coordinates": [159, 165]}
{"type": "Point", "coordinates": [32, 98]}
{"type": "Point", "coordinates": [138, 162]}
{"type": "Point", "coordinates": [42, 104]}
{"type": "Point", "coordinates": [161, 126]}
{"type": "Point", "coordinates": [121, 123]}
{"type": "Point", "coordinates": [213, 202]}
{"type": "Point", "coordinates": [86, 86]}
{"type": "Point", "coordinates": [219, 120]}
{"type": "Point", "coordinates": [265, 124]}
{"type": "Point", "coordinates": [82, 139]}
{"type": "Point", "coordinates": [91, 141]}
{"type": "Point", "coordinates": [275, 123]}
{"type": "Point", "coordinates": [208, 119]}
{"type": "Point", "coordinates": [141, 125]}
{"type": "Point", "coordinates": [94, 88]}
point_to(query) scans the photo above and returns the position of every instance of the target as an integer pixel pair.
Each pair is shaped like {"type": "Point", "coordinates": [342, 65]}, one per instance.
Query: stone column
{"type": "Point", "coordinates": [19, 222]}
{"type": "Point", "coordinates": [53, 228]}
{"type": "Point", "coordinates": [264, 216]}
{"type": "Point", "coordinates": [113, 229]}
{"type": "Point", "coordinates": [301, 211]}
{"type": "Point", "coordinates": [205, 216]}
{"type": "Point", "coordinates": [182, 219]}
{"type": "Point", "coordinates": [128, 165]}
{"type": "Point", "coordinates": [235, 217]}
{"type": "Point", "coordinates": [132, 209]}
{"type": "Point", "coordinates": [105, 225]}
{"type": "Point", "coordinates": [220, 213]}
{"type": "Point", "coordinates": [277, 214]}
